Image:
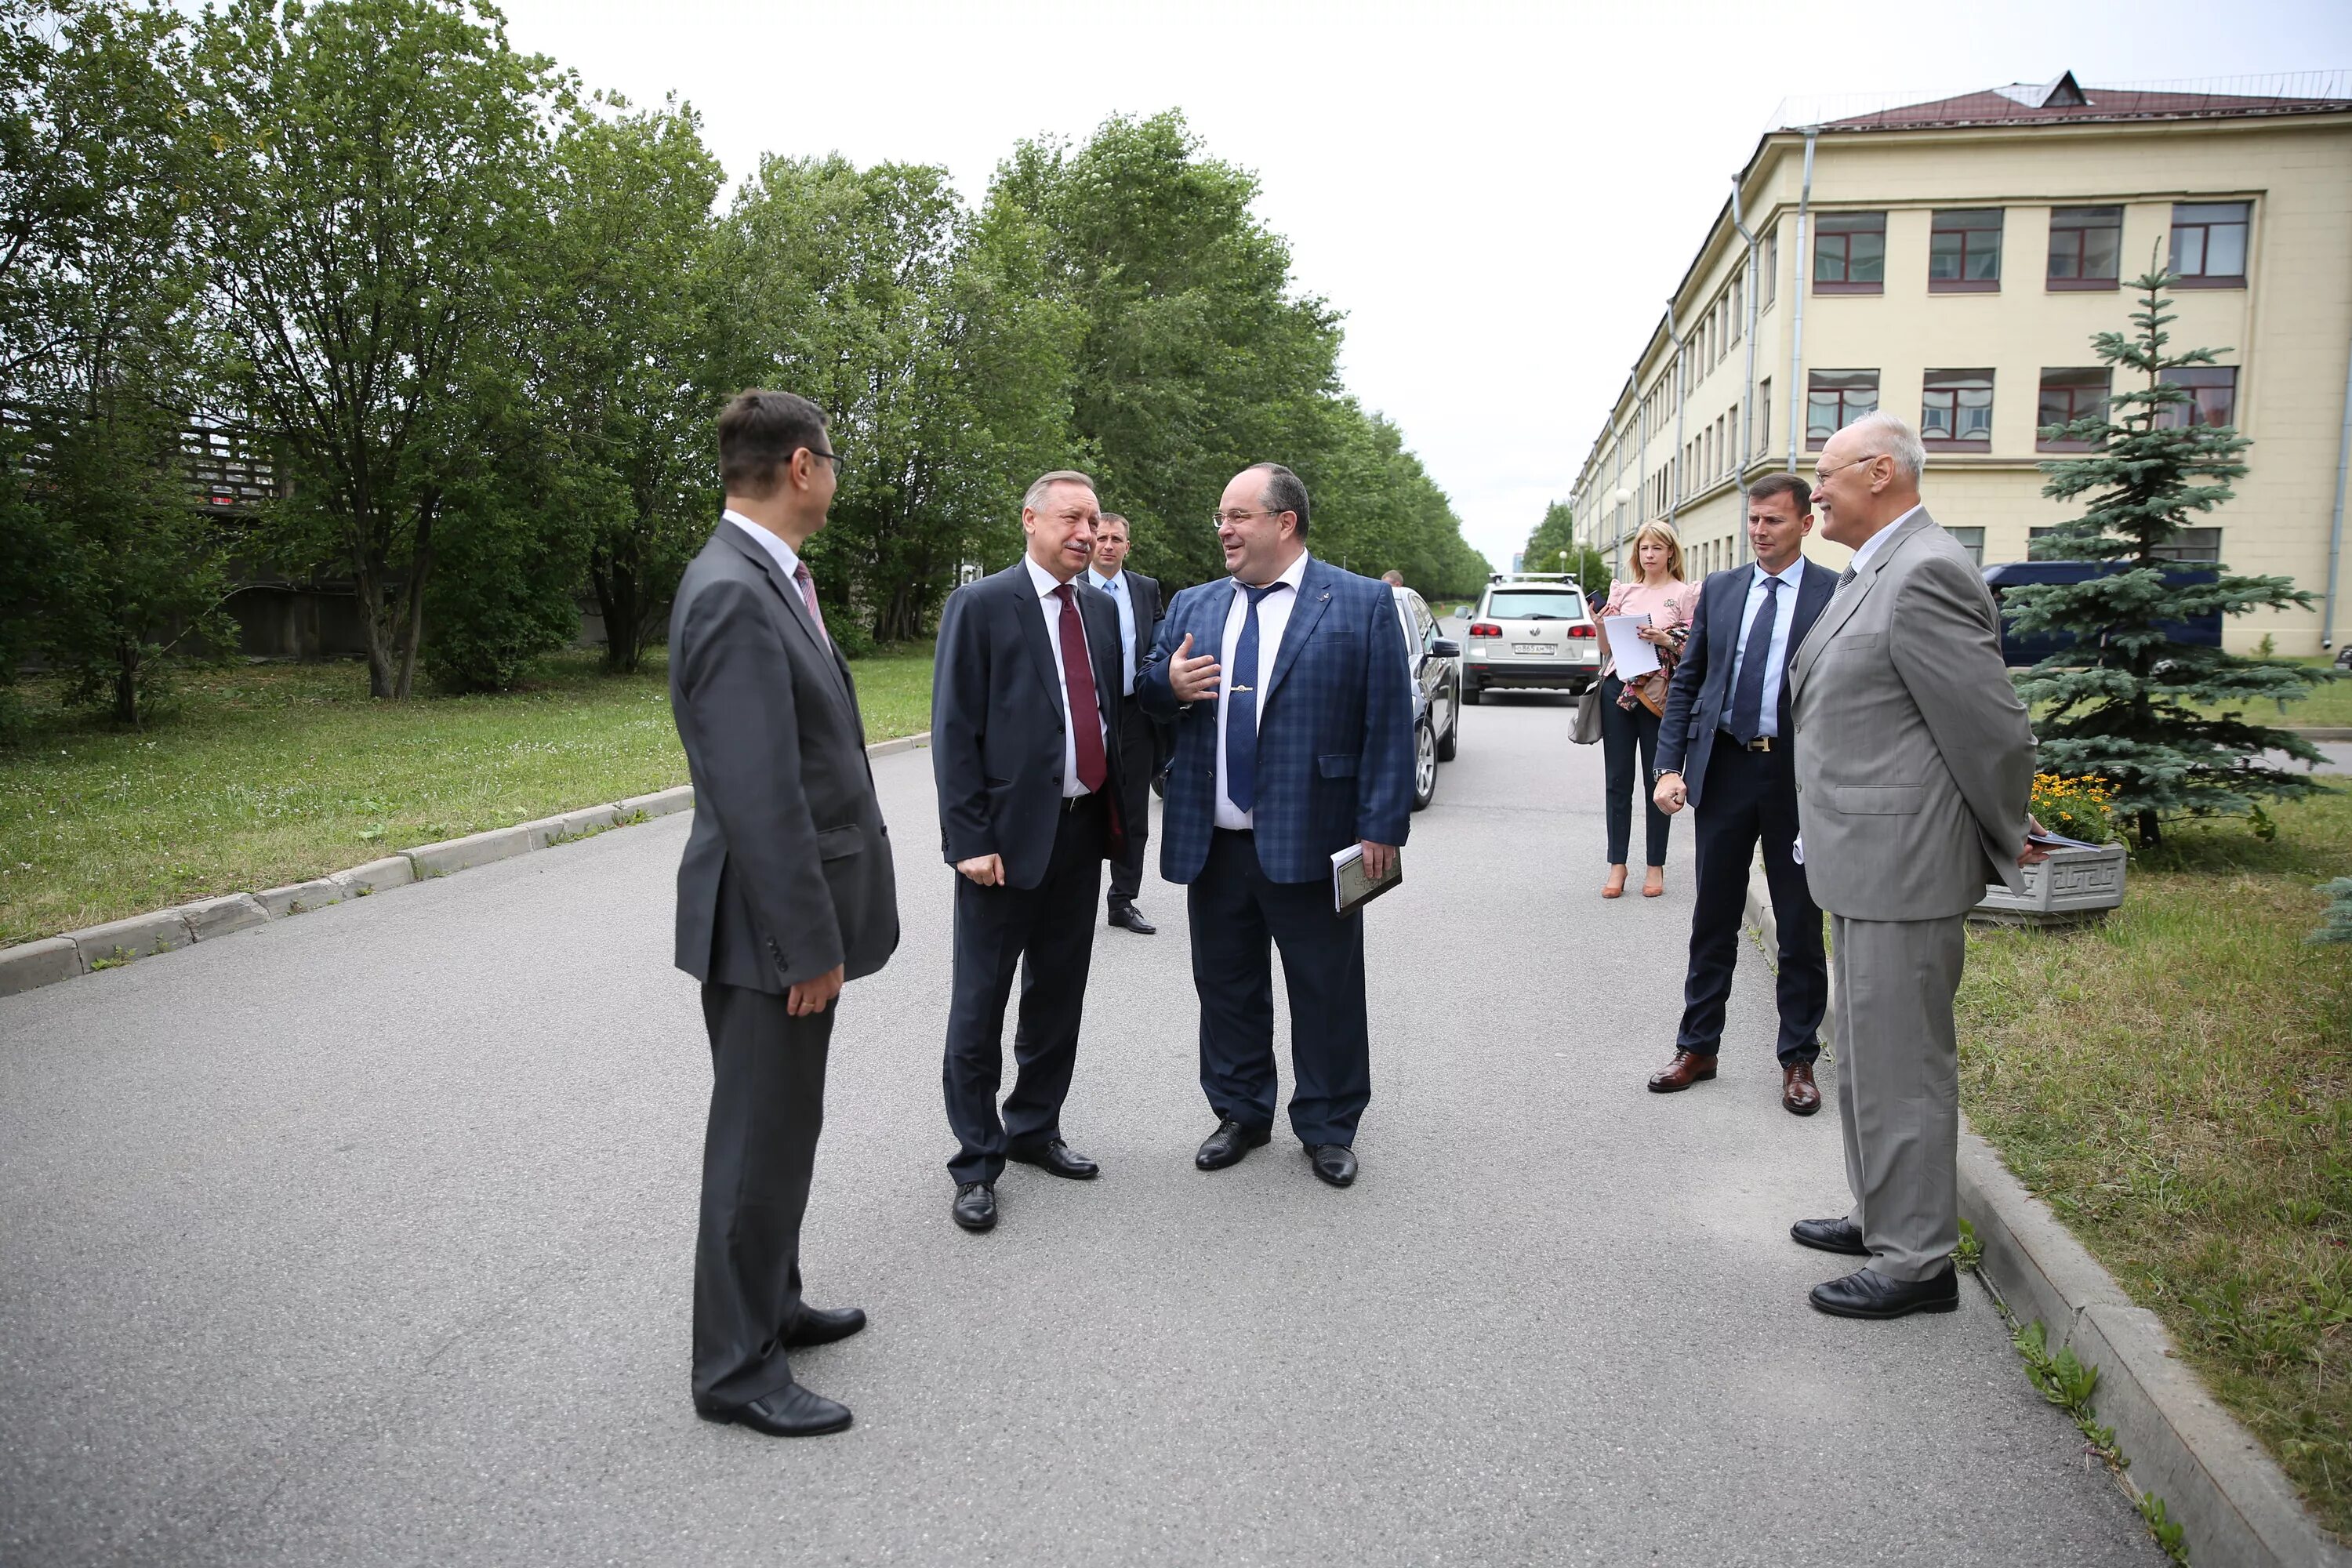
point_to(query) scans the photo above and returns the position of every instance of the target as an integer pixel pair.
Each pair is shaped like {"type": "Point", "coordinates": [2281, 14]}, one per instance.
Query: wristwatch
{"type": "Point", "coordinates": [1658, 773]}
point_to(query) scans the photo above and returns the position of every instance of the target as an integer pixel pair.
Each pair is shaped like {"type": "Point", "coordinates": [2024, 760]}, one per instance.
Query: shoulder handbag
{"type": "Point", "coordinates": [1588, 716]}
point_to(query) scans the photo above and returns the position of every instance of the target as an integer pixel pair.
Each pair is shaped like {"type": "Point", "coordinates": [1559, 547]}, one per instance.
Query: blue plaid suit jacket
{"type": "Point", "coordinates": [1335, 728]}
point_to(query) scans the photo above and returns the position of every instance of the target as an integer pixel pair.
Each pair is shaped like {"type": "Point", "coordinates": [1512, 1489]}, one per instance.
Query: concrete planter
{"type": "Point", "coordinates": [2072, 886]}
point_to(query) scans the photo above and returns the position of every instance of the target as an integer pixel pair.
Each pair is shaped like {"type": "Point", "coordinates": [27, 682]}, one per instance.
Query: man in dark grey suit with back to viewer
{"type": "Point", "coordinates": [1024, 708]}
{"type": "Point", "coordinates": [1914, 770]}
{"type": "Point", "coordinates": [1724, 750]}
{"type": "Point", "coordinates": [786, 891]}
{"type": "Point", "coordinates": [1137, 598]}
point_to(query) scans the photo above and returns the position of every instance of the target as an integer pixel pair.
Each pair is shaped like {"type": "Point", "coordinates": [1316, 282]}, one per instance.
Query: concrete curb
{"type": "Point", "coordinates": [48, 960]}
{"type": "Point", "coordinates": [2233, 1503]}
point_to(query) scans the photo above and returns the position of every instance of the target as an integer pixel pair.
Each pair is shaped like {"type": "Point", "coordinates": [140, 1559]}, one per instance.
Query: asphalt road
{"type": "Point", "coordinates": [365, 1238]}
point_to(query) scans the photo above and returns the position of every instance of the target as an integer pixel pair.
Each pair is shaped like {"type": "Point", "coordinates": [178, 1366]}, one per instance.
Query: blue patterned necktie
{"type": "Point", "coordinates": [1241, 707]}
{"type": "Point", "coordinates": [1747, 702]}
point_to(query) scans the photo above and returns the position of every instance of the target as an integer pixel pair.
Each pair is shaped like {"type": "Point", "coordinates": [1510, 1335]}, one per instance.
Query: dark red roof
{"type": "Point", "coordinates": [2063, 101]}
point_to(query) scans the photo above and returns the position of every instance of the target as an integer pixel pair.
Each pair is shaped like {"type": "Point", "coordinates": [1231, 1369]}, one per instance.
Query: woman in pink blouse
{"type": "Point", "coordinates": [1660, 593]}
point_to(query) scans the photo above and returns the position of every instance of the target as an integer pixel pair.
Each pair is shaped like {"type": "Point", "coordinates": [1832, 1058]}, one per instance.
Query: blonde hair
{"type": "Point", "coordinates": [1663, 532]}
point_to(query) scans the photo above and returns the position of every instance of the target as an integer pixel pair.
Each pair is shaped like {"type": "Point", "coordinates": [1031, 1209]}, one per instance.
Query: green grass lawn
{"type": "Point", "coordinates": [2328, 705]}
{"type": "Point", "coordinates": [2177, 1084]}
{"type": "Point", "coordinates": [267, 773]}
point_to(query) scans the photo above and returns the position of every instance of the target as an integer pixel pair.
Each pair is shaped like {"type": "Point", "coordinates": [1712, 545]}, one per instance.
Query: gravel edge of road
{"type": "Point", "coordinates": [2233, 1503]}
{"type": "Point", "coordinates": [50, 960]}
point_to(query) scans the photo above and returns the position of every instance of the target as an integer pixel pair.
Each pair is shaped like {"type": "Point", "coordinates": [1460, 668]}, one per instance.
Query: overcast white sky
{"type": "Point", "coordinates": [1498, 196]}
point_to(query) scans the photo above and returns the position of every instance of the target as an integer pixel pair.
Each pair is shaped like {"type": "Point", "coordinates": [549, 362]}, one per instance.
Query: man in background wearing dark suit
{"type": "Point", "coordinates": [786, 891]}
{"type": "Point", "coordinates": [1286, 683]}
{"type": "Point", "coordinates": [1024, 710]}
{"type": "Point", "coordinates": [1724, 749]}
{"type": "Point", "coordinates": [1137, 599]}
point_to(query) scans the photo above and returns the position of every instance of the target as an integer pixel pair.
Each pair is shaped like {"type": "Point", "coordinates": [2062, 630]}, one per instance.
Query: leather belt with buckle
{"type": "Point", "coordinates": [1760, 743]}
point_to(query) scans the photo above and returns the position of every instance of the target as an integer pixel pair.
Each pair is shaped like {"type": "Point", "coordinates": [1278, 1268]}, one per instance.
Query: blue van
{"type": "Point", "coordinates": [2021, 650]}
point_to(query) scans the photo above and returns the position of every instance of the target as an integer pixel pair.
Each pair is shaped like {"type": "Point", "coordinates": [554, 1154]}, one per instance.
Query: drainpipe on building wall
{"type": "Point", "coordinates": [1747, 397]}
{"type": "Point", "coordinates": [1682, 398]}
{"type": "Point", "coordinates": [1617, 503]}
{"type": "Point", "coordinates": [2335, 528]}
{"type": "Point", "coordinates": [1797, 270]}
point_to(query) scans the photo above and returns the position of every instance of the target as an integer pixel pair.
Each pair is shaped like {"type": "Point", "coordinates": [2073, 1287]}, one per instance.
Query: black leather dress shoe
{"type": "Point", "coordinates": [1830, 1235]}
{"type": "Point", "coordinates": [819, 1326]}
{"type": "Point", "coordinates": [976, 1206]}
{"type": "Point", "coordinates": [791, 1412]}
{"type": "Point", "coordinates": [1056, 1158]}
{"type": "Point", "coordinates": [1127, 917]}
{"type": "Point", "coordinates": [1335, 1163]}
{"type": "Point", "coordinates": [1867, 1293]}
{"type": "Point", "coordinates": [1229, 1143]}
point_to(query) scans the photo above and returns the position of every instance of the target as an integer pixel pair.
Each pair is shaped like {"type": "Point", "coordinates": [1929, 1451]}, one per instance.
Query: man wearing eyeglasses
{"type": "Point", "coordinates": [786, 892]}
{"type": "Point", "coordinates": [1287, 685]}
{"type": "Point", "coordinates": [1915, 765]}
{"type": "Point", "coordinates": [1024, 726]}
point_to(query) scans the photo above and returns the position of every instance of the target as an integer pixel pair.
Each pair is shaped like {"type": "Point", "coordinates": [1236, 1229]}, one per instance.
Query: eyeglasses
{"type": "Point", "coordinates": [1236, 519]}
{"type": "Point", "coordinates": [1820, 473]}
{"type": "Point", "coordinates": [833, 458]}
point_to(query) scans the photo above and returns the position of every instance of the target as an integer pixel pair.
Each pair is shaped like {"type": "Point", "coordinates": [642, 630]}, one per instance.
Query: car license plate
{"type": "Point", "coordinates": [1526, 648]}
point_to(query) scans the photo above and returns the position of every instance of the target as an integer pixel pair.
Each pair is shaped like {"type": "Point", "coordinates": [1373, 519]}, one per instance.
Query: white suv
{"type": "Point", "coordinates": [1531, 630]}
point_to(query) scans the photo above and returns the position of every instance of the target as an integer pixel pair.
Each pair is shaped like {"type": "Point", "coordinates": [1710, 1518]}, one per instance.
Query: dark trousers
{"type": "Point", "coordinates": [1137, 753]}
{"type": "Point", "coordinates": [1237, 919]}
{"type": "Point", "coordinates": [1618, 732]}
{"type": "Point", "coordinates": [1750, 797]}
{"type": "Point", "coordinates": [766, 1106]}
{"type": "Point", "coordinates": [1047, 933]}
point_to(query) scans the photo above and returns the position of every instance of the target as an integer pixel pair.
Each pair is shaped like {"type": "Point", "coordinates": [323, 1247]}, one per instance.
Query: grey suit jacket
{"type": "Point", "coordinates": [1914, 762]}
{"type": "Point", "coordinates": [787, 870]}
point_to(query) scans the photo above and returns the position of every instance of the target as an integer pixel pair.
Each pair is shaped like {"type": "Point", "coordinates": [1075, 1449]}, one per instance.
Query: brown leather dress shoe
{"type": "Point", "coordinates": [1687, 1069]}
{"type": "Point", "coordinates": [1799, 1093]}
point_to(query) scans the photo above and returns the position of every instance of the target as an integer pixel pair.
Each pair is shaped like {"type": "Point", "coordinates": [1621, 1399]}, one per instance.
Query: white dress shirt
{"type": "Point", "coordinates": [1273, 620]}
{"type": "Point", "coordinates": [1049, 604]}
{"type": "Point", "coordinates": [1869, 547]}
{"type": "Point", "coordinates": [1117, 588]}
{"type": "Point", "coordinates": [1776, 657]}
{"type": "Point", "coordinates": [785, 557]}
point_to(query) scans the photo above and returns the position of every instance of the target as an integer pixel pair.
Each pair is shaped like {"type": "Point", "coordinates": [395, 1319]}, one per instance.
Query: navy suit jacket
{"type": "Point", "coordinates": [997, 721]}
{"type": "Point", "coordinates": [1700, 696]}
{"type": "Point", "coordinates": [1334, 734]}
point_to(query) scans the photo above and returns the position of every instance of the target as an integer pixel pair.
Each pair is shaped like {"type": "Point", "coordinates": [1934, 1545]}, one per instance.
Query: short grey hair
{"type": "Point", "coordinates": [1886, 435]}
{"type": "Point", "coordinates": [1283, 493]}
{"type": "Point", "coordinates": [1043, 482]}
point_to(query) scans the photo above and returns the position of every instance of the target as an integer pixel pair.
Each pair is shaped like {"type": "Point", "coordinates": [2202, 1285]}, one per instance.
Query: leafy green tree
{"type": "Point", "coordinates": [1196, 356]}
{"type": "Point", "coordinates": [1557, 533]}
{"type": "Point", "coordinates": [143, 573]}
{"type": "Point", "coordinates": [2123, 702]}
{"type": "Point", "coordinates": [622, 330]}
{"type": "Point", "coordinates": [96, 284]}
{"type": "Point", "coordinates": [941, 370]}
{"type": "Point", "coordinates": [375, 191]}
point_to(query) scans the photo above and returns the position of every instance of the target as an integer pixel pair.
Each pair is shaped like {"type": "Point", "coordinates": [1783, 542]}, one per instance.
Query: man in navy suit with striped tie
{"type": "Point", "coordinates": [1724, 750]}
{"type": "Point", "coordinates": [1288, 688]}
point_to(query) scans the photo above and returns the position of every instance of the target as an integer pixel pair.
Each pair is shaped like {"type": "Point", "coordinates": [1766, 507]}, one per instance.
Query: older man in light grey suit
{"type": "Point", "coordinates": [1913, 780]}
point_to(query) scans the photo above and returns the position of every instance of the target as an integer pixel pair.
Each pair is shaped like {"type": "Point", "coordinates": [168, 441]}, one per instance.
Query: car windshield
{"type": "Point", "coordinates": [1536, 605]}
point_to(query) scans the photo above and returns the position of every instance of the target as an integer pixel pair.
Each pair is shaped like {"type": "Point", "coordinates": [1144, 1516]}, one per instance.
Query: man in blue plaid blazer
{"type": "Point", "coordinates": [1287, 690]}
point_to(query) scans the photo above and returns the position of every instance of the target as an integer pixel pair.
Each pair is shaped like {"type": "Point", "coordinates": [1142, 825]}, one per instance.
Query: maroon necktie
{"type": "Point", "coordinates": [1078, 679]}
{"type": "Point", "coordinates": [808, 597]}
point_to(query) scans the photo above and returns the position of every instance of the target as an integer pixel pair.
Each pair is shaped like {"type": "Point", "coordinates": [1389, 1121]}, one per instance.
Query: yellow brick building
{"type": "Point", "coordinates": [1957, 257]}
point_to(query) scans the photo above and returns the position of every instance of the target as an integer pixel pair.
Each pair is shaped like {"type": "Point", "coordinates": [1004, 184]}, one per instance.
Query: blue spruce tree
{"type": "Point", "coordinates": [2125, 701]}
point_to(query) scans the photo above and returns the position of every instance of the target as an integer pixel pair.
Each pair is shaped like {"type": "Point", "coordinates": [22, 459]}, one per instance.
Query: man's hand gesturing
{"type": "Point", "coordinates": [1191, 679]}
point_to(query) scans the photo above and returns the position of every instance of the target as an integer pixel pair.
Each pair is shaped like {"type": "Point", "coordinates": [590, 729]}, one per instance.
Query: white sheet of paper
{"type": "Point", "coordinates": [1633, 655]}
